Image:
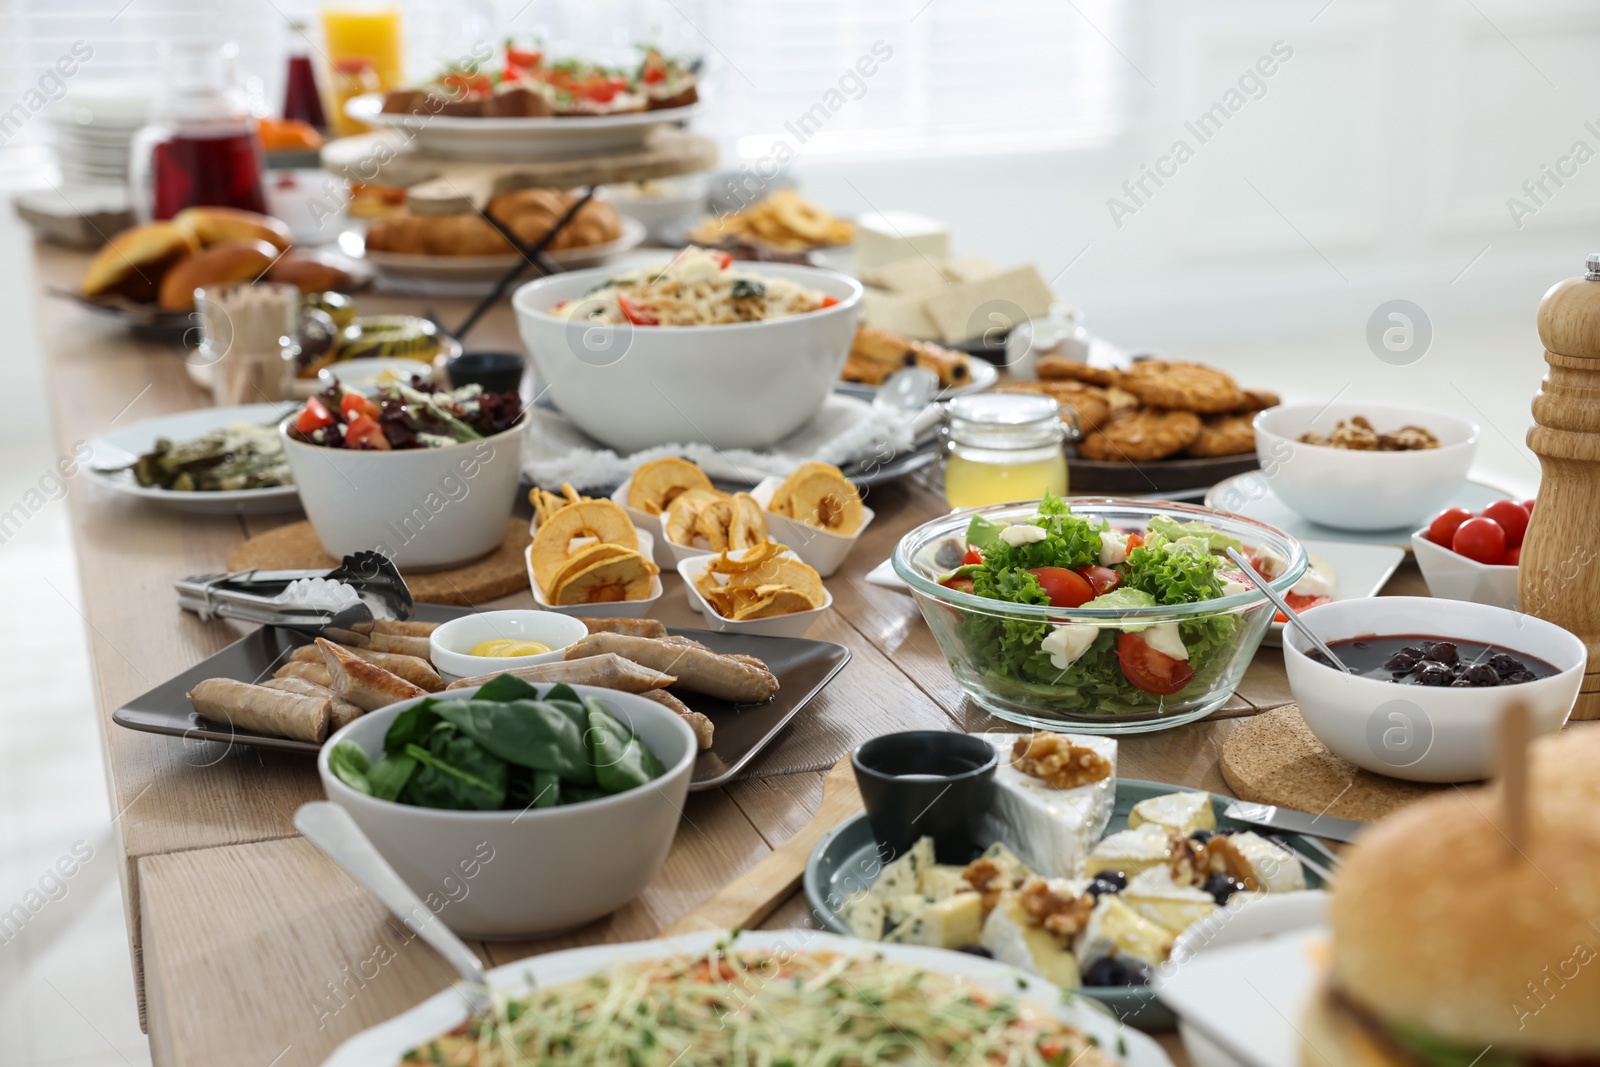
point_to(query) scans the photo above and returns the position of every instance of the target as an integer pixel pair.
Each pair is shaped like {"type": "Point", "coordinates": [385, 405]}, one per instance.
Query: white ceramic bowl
{"type": "Point", "coordinates": [660, 205]}
{"type": "Point", "coordinates": [824, 550]}
{"type": "Point", "coordinates": [744, 385]}
{"type": "Point", "coordinates": [535, 871]}
{"type": "Point", "coordinates": [1351, 490]}
{"type": "Point", "coordinates": [421, 507]}
{"type": "Point", "coordinates": [644, 522]}
{"type": "Point", "coordinates": [615, 609]}
{"type": "Point", "coordinates": [450, 646]}
{"type": "Point", "coordinates": [1455, 577]}
{"type": "Point", "coordinates": [794, 624]}
{"type": "Point", "coordinates": [1423, 733]}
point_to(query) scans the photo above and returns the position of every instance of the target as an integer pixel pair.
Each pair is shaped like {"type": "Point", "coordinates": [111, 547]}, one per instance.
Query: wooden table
{"type": "Point", "coordinates": [249, 948]}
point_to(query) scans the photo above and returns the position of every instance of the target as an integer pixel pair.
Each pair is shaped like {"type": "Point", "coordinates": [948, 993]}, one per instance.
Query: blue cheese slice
{"type": "Point", "coordinates": [1115, 929]}
{"type": "Point", "coordinates": [954, 922]}
{"type": "Point", "coordinates": [1131, 851]}
{"type": "Point", "coordinates": [901, 876]}
{"type": "Point", "coordinates": [941, 881]}
{"type": "Point", "coordinates": [1183, 812]}
{"type": "Point", "coordinates": [1154, 895]}
{"type": "Point", "coordinates": [1012, 939]}
{"type": "Point", "coordinates": [1050, 829]}
{"type": "Point", "coordinates": [866, 916]}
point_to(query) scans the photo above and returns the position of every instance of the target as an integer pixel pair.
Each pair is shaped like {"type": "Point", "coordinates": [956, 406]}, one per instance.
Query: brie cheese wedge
{"type": "Point", "coordinates": [1154, 895]}
{"type": "Point", "coordinates": [1050, 829]}
{"type": "Point", "coordinates": [1183, 812]}
{"type": "Point", "coordinates": [1115, 929]}
{"type": "Point", "coordinates": [1130, 851]}
{"type": "Point", "coordinates": [1276, 869]}
{"type": "Point", "coordinates": [1013, 940]}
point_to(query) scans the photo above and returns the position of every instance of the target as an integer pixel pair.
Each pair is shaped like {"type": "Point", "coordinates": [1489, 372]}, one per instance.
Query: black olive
{"type": "Point", "coordinates": [1518, 677]}
{"type": "Point", "coordinates": [976, 950]}
{"type": "Point", "coordinates": [1221, 887]}
{"type": "Point", "coordinates": [1115, 879]}
{"type": "Point", "coordinates": [1138, 973]}
{"type": "Point", "coordinates": [1106, 971]}
{"type": "Point", "coordinates": [1400, 663]}
{"type": "Point", "coordinates": [1442, 651]}
{"type": "Point", "coordinates": [1433, 674]}
{"type": "Point", "coordinates": [1505, 664]}
{"type": "Point", "coordinates": [1481, 674]}
{"type": "Point", "coordinates": [1200, 837]}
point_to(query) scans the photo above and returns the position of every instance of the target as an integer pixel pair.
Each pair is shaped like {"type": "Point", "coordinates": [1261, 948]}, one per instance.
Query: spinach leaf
{"type": "Point", "coordinates": [388, 777]}
{"type": "Point", "coordinates": [350, 765]}
{"type": "Point", "coordinates": [529, 788]}
{"type": "Point", "coordinates": [531, 733]}
{"type": "Point", "coordinates": [621, 760]}
{"type": "Point", "coordinates": [504, 687]}
{"type": "Point", "coordinates": [546, 790]}
{"type": "Point", "coordinates": [563, 691]}
{"type": "Point", "coordinates": [746, 287]}
{"type": "Point", "coordinates": [411, 726]}
{"type": "Point", "coordinates": [577, 794]}
{"type": "Point", "coordinates": [455, 773]}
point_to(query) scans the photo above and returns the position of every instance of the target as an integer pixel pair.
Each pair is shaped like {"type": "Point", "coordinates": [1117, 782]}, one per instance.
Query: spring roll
{"type": "Point", "coordinates": [608, 672]}
{"type": "Point", "coordinates": [631, 627]}
{"type": "Point", "coordinates": [341, 713]}
{"type": "Point", "coordinates": [364, 684]}
{"type": "Point", "coordinates": [345, 637]}
{"type": "Point", "coordinates": [403, 627]}
{"type": "Point", "coordinates": [262, 710]}
{"type": "Point", "coordinates": [315, 673]}
{"type": "Point", "coordinates": [419, 672]}
{"type": "Point", "coordinates": [702, 726]}
{"type": "Point", "coordinates": [698, 669]}
{"type": "Point", "coordinates": [400, 644]}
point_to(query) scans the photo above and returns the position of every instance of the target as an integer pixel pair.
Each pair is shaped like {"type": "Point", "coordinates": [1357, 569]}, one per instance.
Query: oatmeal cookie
{"type": "Point", "coordinates": [1225, 435]}
{"type": "Point", "coordinates": [1060, 368]}
{"type": "Point", "coordinates": [1144, 435]}
{"type": "Point", "coordinates": [1183, 387]}
{"type": "Point", "coordinates": [1085, 401]}
{"type": "Point", "coordinates": [1121, 401]}
{"type": "Point", "coordinates": [1259, 400]}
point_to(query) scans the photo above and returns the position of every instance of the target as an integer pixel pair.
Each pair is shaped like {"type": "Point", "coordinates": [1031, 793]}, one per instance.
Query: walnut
{"type": "Point", "coordinates": [1357, 434]}
{"type": "Point", "coordinates": [1408, 439]}
{"type": "Point", "coordinates": [1189, 863]}
{"type": "Point", "coordinates": [989, 879]}
{"type": "Point", "coordinates": [1062, 914]}
{"type": "Point", "coordinates": [1056, 761]}
{"type": "Point", "coordinates": [1226, 859]}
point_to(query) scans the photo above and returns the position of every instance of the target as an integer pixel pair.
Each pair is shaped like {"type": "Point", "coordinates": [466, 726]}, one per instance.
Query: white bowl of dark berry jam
{"type": "Point", "coordinates": [1432, 678]}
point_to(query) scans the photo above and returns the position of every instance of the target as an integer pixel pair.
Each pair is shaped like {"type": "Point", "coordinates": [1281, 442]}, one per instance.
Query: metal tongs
{"type": "Point", "coordinates": [252, 595]}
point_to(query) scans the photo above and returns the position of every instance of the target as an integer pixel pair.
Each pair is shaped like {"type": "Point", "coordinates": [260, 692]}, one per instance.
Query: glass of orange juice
{"type": "Point", "coordinates": [1001, 447]}
{"type": "Point", "coordinates": [370, 32]}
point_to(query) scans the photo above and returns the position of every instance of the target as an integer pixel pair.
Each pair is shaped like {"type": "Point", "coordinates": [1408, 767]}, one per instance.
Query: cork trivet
{"type": "Point", "coordinates": [501, 572]}
{"type": "Point", "coordinates": [1274, 758]}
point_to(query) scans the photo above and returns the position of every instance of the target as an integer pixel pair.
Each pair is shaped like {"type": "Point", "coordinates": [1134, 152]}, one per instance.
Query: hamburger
{"type": "Point", "coordinates": [1452, 949]}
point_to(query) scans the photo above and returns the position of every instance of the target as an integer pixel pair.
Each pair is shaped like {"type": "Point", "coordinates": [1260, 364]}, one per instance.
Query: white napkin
{"type": "Point", "coordinates": [845, 431]}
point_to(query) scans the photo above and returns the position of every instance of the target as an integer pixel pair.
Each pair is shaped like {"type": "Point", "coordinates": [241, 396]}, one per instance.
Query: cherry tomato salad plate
{"type": "Point", "coordinates": [400, 416]}
{"type": "Point", "coordinates": [1126, 614]}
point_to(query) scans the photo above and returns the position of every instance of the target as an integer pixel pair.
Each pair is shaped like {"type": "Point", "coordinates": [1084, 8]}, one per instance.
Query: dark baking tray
{"type": "Point", "coordinates": [802, 668]}
{"type": "Point", "coordinates": [1154, 476]}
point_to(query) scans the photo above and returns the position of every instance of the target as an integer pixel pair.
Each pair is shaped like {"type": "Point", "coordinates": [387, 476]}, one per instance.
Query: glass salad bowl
{"type": "Point", "coordinates": [1164, 643]}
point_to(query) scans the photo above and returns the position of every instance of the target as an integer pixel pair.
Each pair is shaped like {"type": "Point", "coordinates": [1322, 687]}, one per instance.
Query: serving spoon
{"type": "Point", "coordinates": [331, 829]}
{"type": "Point", "coordinates": [1283, 605]}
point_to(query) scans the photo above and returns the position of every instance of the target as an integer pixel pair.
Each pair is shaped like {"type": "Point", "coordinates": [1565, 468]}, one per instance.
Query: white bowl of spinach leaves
{"type": "Point", "coordinates": [512, 809]}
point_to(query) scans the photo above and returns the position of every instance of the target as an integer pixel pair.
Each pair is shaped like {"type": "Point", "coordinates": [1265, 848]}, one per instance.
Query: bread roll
{"type": "Point", "coordinates": [311, 273]}
{"type": "Point", "coordinates": [133, 262]}
{"type": "Point", "coordinates": [214, 225]}
{"type": "Point", "coordinates": [528, 213]}
{"type": "Point", "coordinates": [231, 261]}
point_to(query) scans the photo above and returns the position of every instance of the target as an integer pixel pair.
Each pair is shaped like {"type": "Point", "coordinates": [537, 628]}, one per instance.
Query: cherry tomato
{"type": "Point", "coordinates": [1512, 558]}
{"type": "Point", "coordinates": [635, 314]}
{"type": "Point", "coordinates": [958, 582]}
{"type": "Point", "coordinates": [1101, 579]}
{"type": "Point", "coordinates": [827, 302]}
{"type": "Point", "coordinates": [724, 259]}
{"type": "Point", "coordinates": [973, 556]}
{"type": "Point", "coordinates": [1135, 540]}
{"type": "Point", "coordinates": [1442, 530]}
{"type": "Point", "coordinates": [523, 57]}
{"type": "Point", "coordinates": [468, 85]}
{"type": "Point", "coordinates": [313, 417]}
{"type": "Point", "coordinates": [1512, 517]}
{"type": "Point", "coordinates": [1154, 672]}
{"type": "Point", "coordinates": [1480, 539]}
{"type": "Point", "coordinates": [1066, 589]}
{"type": "Point", "coordinates": [364, 432]}
{"type": "Point", "coordinates": [353, 404]}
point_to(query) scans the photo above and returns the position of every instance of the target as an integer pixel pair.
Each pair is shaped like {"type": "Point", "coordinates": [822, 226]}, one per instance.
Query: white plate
{"type": "Point", "coordinates": [384, 1044]}
{"type": "Point", "coordinates": [128, 444]}
{"type": "Point", "coordinates": [1250, 495]}
{"type": "Point", "coordinates": [617, 609]}
{"type": "Point", "coordinates": [794, 624]}
{"type": "Point", "coordinates": [984, 375]}
{"type": "Point", "coordinates": [521, 138]}
{"type": "Point", "coordinates": [490, 268]}
{"type": "Point", "coordinates": [1358, 570]}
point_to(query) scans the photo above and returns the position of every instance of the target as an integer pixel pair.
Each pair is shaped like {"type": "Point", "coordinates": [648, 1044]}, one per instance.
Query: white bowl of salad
{"type": "Point", "coordinates": [698, 348]}
{"type": "Point", "coordinates": [1098, 616]}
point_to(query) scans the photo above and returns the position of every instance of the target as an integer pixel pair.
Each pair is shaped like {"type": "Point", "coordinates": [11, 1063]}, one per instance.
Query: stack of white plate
{"type": "Point", "coordinates": [93, 126]}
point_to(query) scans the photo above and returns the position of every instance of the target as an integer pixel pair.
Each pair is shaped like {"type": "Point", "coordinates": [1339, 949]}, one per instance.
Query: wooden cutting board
{"type": "Point", "coordinates": [1274, 758]}
{"type": "Point", "coordinates": [500, 573]}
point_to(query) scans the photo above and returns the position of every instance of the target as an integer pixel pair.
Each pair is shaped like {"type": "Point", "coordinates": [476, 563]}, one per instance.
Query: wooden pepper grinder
{"type": "Point", "coordinates": [1559, 574]}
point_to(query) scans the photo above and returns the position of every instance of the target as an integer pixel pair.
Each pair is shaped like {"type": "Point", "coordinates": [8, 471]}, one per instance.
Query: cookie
{"type": "Point", "coordinates": [1183, 387]}
{"type": "Point", "coordinates": [1121, 400]}
{"type": "Point", "coordinates": [1060, 368]}
{"type": "Point", "coordinates": [1144, 435]}
{"type": "Point", "coordinates": [1260, 399]}
{"type": "Point", "coordinates": [1087, 403]}
{"type": "Point", "coordinates": [1225, 435]}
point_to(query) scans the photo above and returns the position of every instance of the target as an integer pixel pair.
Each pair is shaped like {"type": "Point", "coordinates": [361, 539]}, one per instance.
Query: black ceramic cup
{"type": "Point", "coordinates": [497, 372]}
{"type": "Point", "coordinates": [926, 783]}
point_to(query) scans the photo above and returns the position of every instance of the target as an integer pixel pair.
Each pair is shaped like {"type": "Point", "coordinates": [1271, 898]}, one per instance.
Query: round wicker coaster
{"type": "Point", "coordinates": [500, 573]}
{"type": "Point", "coordinates": [1274, 758]}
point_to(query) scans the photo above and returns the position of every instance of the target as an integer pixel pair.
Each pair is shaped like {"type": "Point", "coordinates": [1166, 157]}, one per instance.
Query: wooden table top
{"type": "Point", "coordinates": [248, 946]}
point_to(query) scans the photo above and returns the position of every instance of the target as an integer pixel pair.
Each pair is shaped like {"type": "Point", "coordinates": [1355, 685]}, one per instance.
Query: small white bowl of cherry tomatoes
{"type": "Point", "coordinates": [1474, 557]}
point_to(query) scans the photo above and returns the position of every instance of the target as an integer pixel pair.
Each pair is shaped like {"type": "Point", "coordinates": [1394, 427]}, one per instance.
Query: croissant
{"type": "Point", "coordinates": [528, 213]}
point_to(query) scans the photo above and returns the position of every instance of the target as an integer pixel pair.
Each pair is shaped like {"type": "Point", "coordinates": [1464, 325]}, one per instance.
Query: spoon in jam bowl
{"type": "Point", "coordinates": [1283, 605]}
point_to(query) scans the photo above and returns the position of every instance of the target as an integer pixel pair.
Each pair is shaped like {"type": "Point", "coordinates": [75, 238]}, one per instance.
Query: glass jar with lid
{"type": "Point", "coordinates": [1001, 447]}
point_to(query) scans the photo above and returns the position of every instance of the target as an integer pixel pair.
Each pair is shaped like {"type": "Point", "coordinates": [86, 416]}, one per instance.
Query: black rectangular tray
{"type": "Point", "coordinates": [802, 668]}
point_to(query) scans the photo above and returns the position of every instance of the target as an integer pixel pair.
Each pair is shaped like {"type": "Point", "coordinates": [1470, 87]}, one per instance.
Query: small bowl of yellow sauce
{"type": "Point", "coordinates": [490, 641]}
